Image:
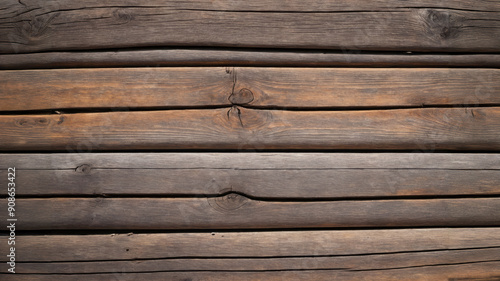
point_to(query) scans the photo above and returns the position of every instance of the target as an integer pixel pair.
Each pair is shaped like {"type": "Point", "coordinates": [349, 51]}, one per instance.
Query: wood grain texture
{"type": "Point", "coordinates": [235, 57]}
{"type": "Point", "coordinates": [487, 271]}
{"type": "Point", "coordinates": [416, 25]}
{"type": "Point", "coordinates": [241, 128]}
{"type": "Point", "coordinates": [114, 88]}
{"type": "Point", "coordinates": [253, 87]}
{"type": "Point", "coordinates": [470, 272]}
{"type": "Point", "coordinates": [234, 211]}
{"type": "Point", "coordinates": [263, 244]}
{"type": "Point", "coordinates": [369, 262]}
{"type": "Point", "coordinates": [422, 253]}
{"type": "Point", "coordinates": [260, 183]}
{"type": "Point", "coordinates": [251, 161]}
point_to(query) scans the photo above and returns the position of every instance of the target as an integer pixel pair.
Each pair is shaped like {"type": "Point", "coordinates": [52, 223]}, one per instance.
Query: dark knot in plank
{"type": "Point", "coordinates": [123, 16]}
{"type": "Point", "coordinates": [84, 169]}
{"type": "Point", "coordinates": [29, 122]}
{"type": "Point", "coordinates": [246, 119]}
{"type": "Point", "coordinates": [442, 24]}
{"type": "Point", "coordinates": [229, 202]}
{"type": "Point", "coordinates": [243, 96]}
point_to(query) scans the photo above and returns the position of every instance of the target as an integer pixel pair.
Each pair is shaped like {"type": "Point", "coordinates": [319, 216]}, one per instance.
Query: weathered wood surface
{"type": "Point", "coordinates": [242, 128]}
{"type": "Point", "coordinates": [272, 183]}
{"type": "Point", "coordinates": [421, 253]}
{"type": "Point", "coordinates": [264, 244]}
{"type": "Point", "coordinates": [254, 87]}
{"type": "Point", "coordinates": [252, 161]}
{"type": "Point", "coordinates": [367, 262]}
{"type": "Point", "coordinates": [234, 211]}
{"type": "Point", "coordinates": [236, 57]}
{"type": "Point", "coordinates": [487, 271]}
{"type": "Point", "coordinates": [419, 25]}
{"type": "Point", "coordinates": [274, 175]}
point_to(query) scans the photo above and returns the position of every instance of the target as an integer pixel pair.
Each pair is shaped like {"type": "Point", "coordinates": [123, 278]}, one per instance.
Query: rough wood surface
{"type": "Point", "coordinates": [366, 262]}
{"type": "Point", "coordinates": [264, 244]}
{"type": "Point", "coordinates": [236, 57]}
{"type": "Point", "coordinates": [487, 271]}
{"type": "Point", "coordinates": [260, 183]}
{"type": "Point", "coordinates": [234, 211]}
{"type": "Point", "coordinates": [242, 128]}
{"type": "Point", "coordinates": [417, 25]}
{"type": "Point", "coordinates": [252, 87]}
{"type": "Point", "coordinates": [252, 161]}
{"type": "Point", "coordinates": [368, 254]}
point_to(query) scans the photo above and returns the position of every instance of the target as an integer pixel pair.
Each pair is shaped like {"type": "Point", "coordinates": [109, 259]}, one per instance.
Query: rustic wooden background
{"type": "Point", "coordinates": [251, 140]}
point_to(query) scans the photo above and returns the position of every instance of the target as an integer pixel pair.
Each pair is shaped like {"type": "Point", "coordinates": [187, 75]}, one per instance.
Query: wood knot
{"type": "Point", "coordinates": [123, 16]}
{"type": "Point", "coordinates": [31, 122]}
{"type": "Point", "coordinates": [36, 27]}
{"type": "Point", "coordinates": [244, 96]}
{"type": "Point", "coordinates": [246, 119]}
{"type": "Point", "coordinates": [441, 24]}
{"type": "Point", "coordinates": [229, 202]}
{"type": "Point", "coordinates": [84, 169]}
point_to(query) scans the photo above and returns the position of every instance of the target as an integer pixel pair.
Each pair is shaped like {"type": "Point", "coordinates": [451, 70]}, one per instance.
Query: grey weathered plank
{"type": "Point", "coordinates": [258, 87]}
{"type": "Point", "coordinates": [234, 211]}
{"type": "Point", "coordinates": [349, 263]}
{"type": "Point", "coordinates": [240, 128]}
{"type": "Point", "coordinates": [422, 254]}
{"type": "Point", "coordinates": [267, 183]}
{"type": "Point", "coordinates": [252, 161]}
{"type": "Point", "coordinates": [36, 25]}
{"type": "Point", "coordinates": [203, 57]}
{"type": "Point", "coordinates": [486, 271]}
{"type": "Point", "coordinates": [263, 244]}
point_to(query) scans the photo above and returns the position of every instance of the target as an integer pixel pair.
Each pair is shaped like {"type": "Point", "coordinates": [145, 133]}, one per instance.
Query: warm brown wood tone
{"type": "Point", "coordinates": [234, 211]}
{"type": "Point", "coordinates": [421, 253]}
{"type": "Point", "coordinates": [260, 87]}
{"type": "Point", "coordinates": [419, 25]}
{"type": "Point", "coordinates": [243, 128]}
{"type": "Point", "coordinates": [190, 57]}
{"type": "Point", "coordinates": [298, 175]}
{"type": "Point", "coordinates": [114, 88]}
{"type": "Point", "coordinates": [354, 87]}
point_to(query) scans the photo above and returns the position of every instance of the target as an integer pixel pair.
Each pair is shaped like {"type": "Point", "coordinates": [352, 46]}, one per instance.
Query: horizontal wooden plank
{"type": "Point", "coordinates": [263, 244]}
{"type": "Point", "coordinates": [115, 88]}
{"type": "Point", "coordinates": [361, 25]}
{"type": "Point", "coordinates": [251, 161]}
{"type": "Point", "coordinates": [348, 263]}
{"type": "Point", "coordinates": [261, 183]}
{"type": "Point", "coordinates": [487, 271]}
{"type": "Point", "coordinates": [241, 128]}
{"type": "Point", "coordinates": [234, 211]}
{"type": "Point", "coordinates": [347, 254]}
{"type": "Point", "coordinates": [235, 57]}
{"type": "Point", "coordinates": [468, 272]}
{"type": "Point", "coordinates": [258, 87]}
{"type": "Point", "coordinates": [350, 87]}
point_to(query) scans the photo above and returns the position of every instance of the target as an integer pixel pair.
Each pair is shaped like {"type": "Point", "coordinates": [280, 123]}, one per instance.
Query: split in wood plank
{"type": "Point", "coordinates": [421, 253]}
{"type": "Point", "coordinates": [235, 57]}
{"type": "Point", "coordinates": [234, 211]}
{"type": "Point", "coordinates": [240, 128]}
{"type": "Point", "coordinates": [423, 25]}
{"type": "Point", "coordinates": [257, 183]}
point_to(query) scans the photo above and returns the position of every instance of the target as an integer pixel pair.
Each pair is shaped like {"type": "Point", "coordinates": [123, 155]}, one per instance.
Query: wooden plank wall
{"type": "Point", "coordinates": [250, 140]}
